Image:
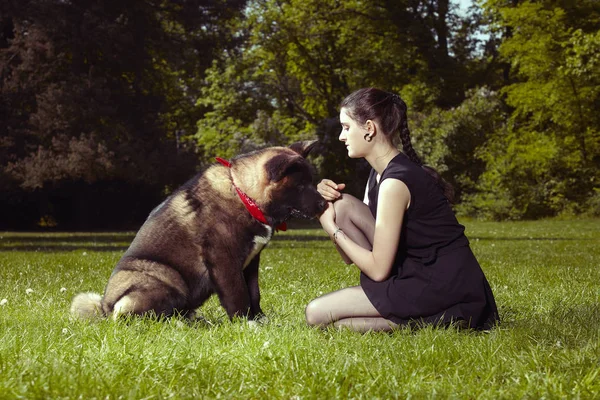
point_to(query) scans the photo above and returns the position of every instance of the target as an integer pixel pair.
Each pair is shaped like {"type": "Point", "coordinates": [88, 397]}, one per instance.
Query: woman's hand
{"type": "Point", "coordinates": [327, 219]}
{"type": "Point", "coordinates": [330, 190]}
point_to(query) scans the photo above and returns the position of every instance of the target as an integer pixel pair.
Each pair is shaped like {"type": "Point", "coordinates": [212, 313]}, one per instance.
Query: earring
{"type": "Point", "coordinates": [368, 138]}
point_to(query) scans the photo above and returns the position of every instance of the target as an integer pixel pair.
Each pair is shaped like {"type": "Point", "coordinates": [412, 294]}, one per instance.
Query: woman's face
{"type": "Point", "coordinates": [352, 136]}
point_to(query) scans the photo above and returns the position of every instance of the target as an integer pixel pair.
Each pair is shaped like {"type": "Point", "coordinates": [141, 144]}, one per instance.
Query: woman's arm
{"type": "Point", "coordinates": [394, 199]}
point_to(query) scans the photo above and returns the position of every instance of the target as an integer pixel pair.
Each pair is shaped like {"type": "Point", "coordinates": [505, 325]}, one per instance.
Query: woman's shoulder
{"type": "Point", "coordinates": [400, 167]}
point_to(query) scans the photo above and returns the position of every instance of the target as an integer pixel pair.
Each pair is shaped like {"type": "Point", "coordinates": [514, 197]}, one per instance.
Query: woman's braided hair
{"type": "Point", "coordinates": [389, 110]}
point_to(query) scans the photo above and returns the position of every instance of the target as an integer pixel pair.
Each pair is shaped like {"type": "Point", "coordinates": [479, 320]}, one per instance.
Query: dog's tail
{"type": "Point", "coordinates": [87, 306]}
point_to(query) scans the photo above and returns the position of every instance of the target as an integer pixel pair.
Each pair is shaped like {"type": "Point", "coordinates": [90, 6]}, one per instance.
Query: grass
{"type": "Point", "coordinates": [545, 276]}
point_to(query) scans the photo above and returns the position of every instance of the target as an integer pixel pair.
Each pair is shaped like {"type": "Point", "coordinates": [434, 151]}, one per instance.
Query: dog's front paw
{"type": "Point", "coordinates": [258, 321]}
{"type": "Point", "coordinates": [261, 319]}
{"type": "Point", "coordinates": [253, 324]}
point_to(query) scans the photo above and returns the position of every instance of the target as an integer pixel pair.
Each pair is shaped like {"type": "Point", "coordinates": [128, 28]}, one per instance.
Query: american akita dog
{"type": "Point", "coordinates": [207, 237]}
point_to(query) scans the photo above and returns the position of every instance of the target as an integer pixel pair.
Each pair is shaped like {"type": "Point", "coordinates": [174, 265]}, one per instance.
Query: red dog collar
{"type": "Point", "coordinates": [251, 206]}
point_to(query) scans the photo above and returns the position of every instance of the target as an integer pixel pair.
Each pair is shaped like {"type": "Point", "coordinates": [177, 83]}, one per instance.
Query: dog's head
{"type": "Point", "coordinates": [280, 180]}
{"type": "Point", "coordinates": [291, 186]}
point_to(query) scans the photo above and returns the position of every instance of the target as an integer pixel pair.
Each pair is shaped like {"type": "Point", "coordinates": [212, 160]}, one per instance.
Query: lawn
{"type": "Point", "coordinates": [545, 276]}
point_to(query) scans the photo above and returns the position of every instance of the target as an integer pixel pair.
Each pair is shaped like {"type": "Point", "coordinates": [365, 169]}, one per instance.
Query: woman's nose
{"type": "Point", "coordinates": [342, 136]}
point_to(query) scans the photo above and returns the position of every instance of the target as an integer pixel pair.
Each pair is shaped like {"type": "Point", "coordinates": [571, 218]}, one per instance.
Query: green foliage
{"type": "Point", "coordinates": [121, 72]}
{"type": "Point", "coordinates": [543, 274]}
{"type": "Point", "coordinates": [296, 60]}
{"type": "Point", "coordinates": [502, 100]}
{"type": "Point", "coordinates": [452, 140]}
{"type": "Point", "coordinates": [526, 169]}
{"type": "Point", "coordinates": [95, 92]}
{"type": "Point", "coordinates": [547, 162]}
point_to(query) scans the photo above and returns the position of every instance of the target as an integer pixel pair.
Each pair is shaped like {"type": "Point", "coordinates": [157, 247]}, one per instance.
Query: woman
{"type": "Point", "coordinates": [415, 261]}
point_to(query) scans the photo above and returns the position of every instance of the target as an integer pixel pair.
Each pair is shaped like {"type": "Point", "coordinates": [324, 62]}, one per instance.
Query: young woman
{"type": "Point", "coordinates": [415, 261]}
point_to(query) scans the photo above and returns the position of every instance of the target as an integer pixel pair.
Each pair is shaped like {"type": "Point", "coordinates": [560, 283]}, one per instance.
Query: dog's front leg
{"type": "Point", "coordinates": [231, 288]}
{"type": "Point", "coordinates": [251, 276]}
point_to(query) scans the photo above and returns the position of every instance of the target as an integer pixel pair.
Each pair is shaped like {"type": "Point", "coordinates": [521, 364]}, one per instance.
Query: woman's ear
{"type": "Point", "coordinates": [371, 127]}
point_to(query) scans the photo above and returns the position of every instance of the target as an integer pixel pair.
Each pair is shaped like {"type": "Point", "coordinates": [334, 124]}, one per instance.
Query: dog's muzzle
{"type": "Point", "coordinates": [299, 214]}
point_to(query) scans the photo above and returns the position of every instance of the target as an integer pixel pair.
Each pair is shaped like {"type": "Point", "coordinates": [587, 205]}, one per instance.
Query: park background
{"type": "Point", "coordinates": [107, 106]}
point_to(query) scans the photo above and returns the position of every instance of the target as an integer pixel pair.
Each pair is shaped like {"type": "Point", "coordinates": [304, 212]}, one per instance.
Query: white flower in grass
{"type": "Point", "coordinates": [63, 289]}
{"type": "Point", "coordinates": [180, 324]}
{"type": "Point", "coordinates": [65, 331]}
{"type": "Point", "coordinates": [266, 344]}
{"type": "Point", "coordinates": [3, 302]}
{"type": "Point", "coordinates": [28, 291]}
{"type": "Point", "coordinates": [85, 253]}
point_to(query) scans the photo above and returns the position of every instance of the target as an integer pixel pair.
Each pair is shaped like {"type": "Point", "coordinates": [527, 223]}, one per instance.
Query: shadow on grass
{"type": "Point", "coordinates": [492, 238]}
{"type": "Point", "coordinates": [66, 237]}
{"type": "Point", "coordinates": [299, 238]}
{"type": "Point", "coordinates": [313, 240]}
{"type": "Point", "coordinates": [570, 326]}
{"type": "Point", "coordinates": [61, 248]}
{"type": "Point", "coordinates": [60, 242]}
{"type": "Point", "coordinates": [110, 242]}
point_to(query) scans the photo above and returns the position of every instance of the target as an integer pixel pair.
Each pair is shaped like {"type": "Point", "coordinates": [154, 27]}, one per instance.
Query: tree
{"type": "Point", "coordinates": [452, 140]}
{"type": "Point", "coordinates": [298, 58]}
{"type": "Point", "coordinates": [95, 91]}
{"type": "Point", "coordinates": [548, 161]}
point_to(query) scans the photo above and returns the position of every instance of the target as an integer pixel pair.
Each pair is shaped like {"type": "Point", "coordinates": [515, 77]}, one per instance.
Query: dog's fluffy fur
{"type": "Point", "coordinates": [202, 240]}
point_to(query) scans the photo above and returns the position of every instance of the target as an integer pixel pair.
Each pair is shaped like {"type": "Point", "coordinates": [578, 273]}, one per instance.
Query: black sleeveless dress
{"type": "Point", "coordinates": [435, 277]}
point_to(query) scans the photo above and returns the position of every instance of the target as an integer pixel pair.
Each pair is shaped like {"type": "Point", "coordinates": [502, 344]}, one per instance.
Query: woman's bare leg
{"type": "Point", "coordinates": [366, 324]}
{"type": "Point", "coordinates": [357, 222]}
{"type": "Point", "coordinates": [349, 307]}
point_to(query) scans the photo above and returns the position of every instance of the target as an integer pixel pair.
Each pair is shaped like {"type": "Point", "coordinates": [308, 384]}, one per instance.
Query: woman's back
{"type": "Point", "coordinates": [430, 226]}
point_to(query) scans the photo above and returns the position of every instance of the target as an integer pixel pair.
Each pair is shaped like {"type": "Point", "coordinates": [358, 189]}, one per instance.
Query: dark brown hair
{"type": "Point", "coordinates": [389, 110]}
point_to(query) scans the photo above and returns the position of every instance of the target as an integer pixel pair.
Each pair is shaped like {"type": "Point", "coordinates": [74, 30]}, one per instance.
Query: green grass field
{"type": "Point", "coordinates": [545, 276]}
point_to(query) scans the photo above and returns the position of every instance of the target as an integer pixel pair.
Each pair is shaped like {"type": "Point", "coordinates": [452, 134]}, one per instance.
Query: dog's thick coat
{"type": "Point", "coordinates": [202, 240]}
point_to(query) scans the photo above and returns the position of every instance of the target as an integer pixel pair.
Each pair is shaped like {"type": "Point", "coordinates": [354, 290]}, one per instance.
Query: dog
{"type": "Point", "coordinates": [207, 237]}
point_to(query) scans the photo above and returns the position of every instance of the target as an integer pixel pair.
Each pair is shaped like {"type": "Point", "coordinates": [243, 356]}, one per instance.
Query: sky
{"type": "Point", "coordinates": [463, 4]}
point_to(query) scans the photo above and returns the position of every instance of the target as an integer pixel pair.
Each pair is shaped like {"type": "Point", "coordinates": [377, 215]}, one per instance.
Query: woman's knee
{"type": "Point", "coordinates": [313, 313]}
{"type": "Point", "coordinates": [330, 307]}
{"type": "Point", "coordinates": [356, 220]}
{"type": "Point", "coordinates": [345, 208]}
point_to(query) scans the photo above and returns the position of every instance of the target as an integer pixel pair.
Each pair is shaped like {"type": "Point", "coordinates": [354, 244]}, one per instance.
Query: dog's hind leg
{"type": "Point", "coordinates": [159, 300]}
{"type": "Point", "coordinates": [133, 292]}
{"type": "Point", "coordinates": [125, 306]}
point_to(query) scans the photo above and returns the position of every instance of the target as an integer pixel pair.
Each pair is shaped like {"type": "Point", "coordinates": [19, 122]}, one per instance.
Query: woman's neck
{"type": "Point", "coordinates": [381, 156]}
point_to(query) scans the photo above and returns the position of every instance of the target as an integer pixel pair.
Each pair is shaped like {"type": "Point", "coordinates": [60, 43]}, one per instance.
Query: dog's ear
{"type": "Point", "coordinates": [303, 147]}
{"type": "Point", "coordinates": [282, 165]}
